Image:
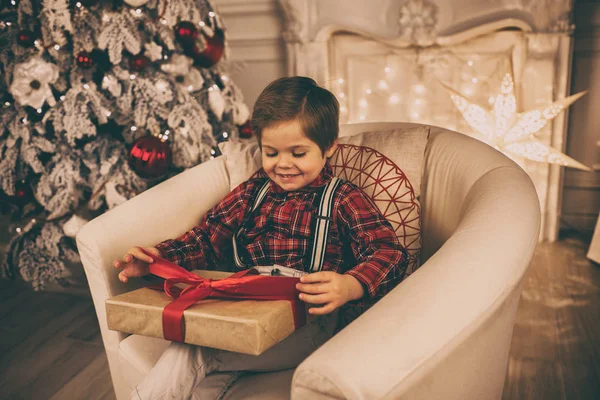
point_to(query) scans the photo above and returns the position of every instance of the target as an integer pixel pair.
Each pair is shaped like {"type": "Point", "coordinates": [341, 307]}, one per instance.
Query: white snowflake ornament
{"type": "Point", "coordinates": [31, 83]}
{"type": "Point", "coordinates": [153, 51]}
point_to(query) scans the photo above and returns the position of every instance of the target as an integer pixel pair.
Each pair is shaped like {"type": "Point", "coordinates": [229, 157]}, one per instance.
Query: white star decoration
{"type": "Point", "coordinates": [513, 133]}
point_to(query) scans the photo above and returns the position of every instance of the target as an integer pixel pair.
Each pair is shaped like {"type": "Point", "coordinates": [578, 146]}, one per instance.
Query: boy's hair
{"type": "Point", "coordinates": [300, 98]}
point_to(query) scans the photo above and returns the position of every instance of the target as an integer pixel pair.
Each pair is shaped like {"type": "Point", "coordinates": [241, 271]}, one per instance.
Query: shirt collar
{"type": "Point", "coordinates": [322, 179]}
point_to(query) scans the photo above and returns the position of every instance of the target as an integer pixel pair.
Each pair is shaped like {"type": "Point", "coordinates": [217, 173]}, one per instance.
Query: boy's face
{"type": "Point", "coordinates": [289, 158]}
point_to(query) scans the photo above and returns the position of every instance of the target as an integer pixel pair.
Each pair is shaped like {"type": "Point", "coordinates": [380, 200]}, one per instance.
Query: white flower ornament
{"type": "Point", "coordinates": [31, 83]}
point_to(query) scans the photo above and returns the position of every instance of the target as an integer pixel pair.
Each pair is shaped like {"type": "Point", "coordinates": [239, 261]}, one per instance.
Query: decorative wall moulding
{"type": "Point", "coordinates": [421, 22]}
{"type": "Point", "coordinates": [245, 7]}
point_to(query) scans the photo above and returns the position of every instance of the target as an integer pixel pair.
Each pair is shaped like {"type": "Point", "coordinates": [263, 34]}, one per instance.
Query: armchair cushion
{"type": "Point", "coordinates": [404, 146]}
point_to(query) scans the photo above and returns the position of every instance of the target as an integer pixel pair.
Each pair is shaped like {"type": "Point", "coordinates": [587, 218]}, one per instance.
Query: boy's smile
{"type": "Point", "coordinates": [289, 158]}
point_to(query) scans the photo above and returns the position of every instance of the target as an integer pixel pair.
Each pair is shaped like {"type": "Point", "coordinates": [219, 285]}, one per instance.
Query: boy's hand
{"type": "Point", "coordinates": [135, 263]}
{"type": "Point", "coordinates": [329, 288]}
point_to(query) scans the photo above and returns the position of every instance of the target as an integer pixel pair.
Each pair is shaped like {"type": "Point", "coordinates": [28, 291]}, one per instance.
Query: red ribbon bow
{"type": "Point", "coordinates": [246, 284]}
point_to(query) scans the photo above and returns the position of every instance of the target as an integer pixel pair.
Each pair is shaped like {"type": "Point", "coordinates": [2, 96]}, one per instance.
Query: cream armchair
{"type": "Point", "coordinates": [444, 332]}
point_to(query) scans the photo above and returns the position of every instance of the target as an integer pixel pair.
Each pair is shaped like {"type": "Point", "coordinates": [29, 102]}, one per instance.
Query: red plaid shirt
{"type": "Point", "coordinates": [361, 242]}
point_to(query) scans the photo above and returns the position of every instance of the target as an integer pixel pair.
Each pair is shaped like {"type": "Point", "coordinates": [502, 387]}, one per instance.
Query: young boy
{"type": "Point", "coordinates": [296, 125]}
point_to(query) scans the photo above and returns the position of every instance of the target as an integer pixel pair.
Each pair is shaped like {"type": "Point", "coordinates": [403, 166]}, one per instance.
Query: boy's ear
{"type": "Point", "coordinates": [331, 150]}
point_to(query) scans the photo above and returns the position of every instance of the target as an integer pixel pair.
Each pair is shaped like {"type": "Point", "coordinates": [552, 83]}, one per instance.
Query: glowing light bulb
{"type": "Point", "coordinates": [340, 81]}
{"type": "Point", "coordinates": [383, 85]}
{"type": "Point", "coordinates": [363, 103]}
{"type": "Point", "coordinates": [419, 88]}
{"type": "Point", "coordinates": [394, 99]}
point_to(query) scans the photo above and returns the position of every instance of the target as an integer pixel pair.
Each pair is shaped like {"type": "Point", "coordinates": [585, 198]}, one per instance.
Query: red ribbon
{"type": "Point", "coordinates": [246, 284]}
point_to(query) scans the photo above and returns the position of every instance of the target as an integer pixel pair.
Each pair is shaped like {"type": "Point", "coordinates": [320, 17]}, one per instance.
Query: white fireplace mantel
{"type": "Point", "coordinates": [324, 37]}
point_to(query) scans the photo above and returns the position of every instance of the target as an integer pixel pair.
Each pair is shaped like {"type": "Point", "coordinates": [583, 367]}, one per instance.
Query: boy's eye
{"type": "Point", "coordinates": [298, 155]}
{"type": "Point", "coordinates": [270, 154]}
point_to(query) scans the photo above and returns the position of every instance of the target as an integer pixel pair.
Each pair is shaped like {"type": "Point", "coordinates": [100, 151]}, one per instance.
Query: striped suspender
{"type": "Point", "coordinates": [257, 201]}
{"type": "Point", "coordinates": [321, 227]}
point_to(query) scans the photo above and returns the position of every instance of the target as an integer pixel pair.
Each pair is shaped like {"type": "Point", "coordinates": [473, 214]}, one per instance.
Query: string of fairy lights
{"type": "Point", "coordinates": [385, 93]}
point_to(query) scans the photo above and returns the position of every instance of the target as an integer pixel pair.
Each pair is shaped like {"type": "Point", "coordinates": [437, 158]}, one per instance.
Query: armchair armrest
{"type": "Point", "coordinates": [164, 211]}
{"type": "Point", "coordinates": [445, 331]}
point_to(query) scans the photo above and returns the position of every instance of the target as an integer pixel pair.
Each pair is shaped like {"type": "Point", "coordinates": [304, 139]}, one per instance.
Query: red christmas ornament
{"type": "Point", "coordinates": [23, 193]}
{"type": "Point", "coordinates": [209, 54]}
{"type": "Point", "coordinates": [186, 33]}
{"type": "Point", "coordinates": [138, 62]}
{"type": "Point", "coordinates": [26, 38]}
{"type": "Point", "coordinates": [246, 131]}
{"type": "Point", "coordinates": [150, 157]}
{"type": "Point", "coordinates": [84, 60]}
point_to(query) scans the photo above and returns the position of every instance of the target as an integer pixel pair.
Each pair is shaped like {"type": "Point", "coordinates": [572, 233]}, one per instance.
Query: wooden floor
{"type": "Point", "coordinates": [50, 344]}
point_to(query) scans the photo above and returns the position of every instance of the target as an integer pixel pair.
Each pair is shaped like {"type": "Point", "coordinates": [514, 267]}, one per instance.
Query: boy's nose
{"type": "Point", "coordinates": [284, 162]}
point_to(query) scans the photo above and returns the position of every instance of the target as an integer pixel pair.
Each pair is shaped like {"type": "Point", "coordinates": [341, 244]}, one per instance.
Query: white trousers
{"type": "Point", "coordinates": [182, 367]}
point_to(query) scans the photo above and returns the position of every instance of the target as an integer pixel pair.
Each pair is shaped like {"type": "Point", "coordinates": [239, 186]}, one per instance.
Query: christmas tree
{"type": "Point", "coordinates": [101, 100]}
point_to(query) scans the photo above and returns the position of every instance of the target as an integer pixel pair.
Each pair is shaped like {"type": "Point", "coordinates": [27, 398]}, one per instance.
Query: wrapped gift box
{"type": "Point", "coordinates": [243, 326]}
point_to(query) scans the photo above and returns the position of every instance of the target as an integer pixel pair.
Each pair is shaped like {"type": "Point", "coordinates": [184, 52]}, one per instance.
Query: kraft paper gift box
{"type": "Point", "coordinates": [243, 326]}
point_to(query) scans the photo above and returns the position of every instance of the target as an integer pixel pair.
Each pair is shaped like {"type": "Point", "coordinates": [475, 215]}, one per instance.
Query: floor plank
{"type": "Point", "coordinates": [92, 382]}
